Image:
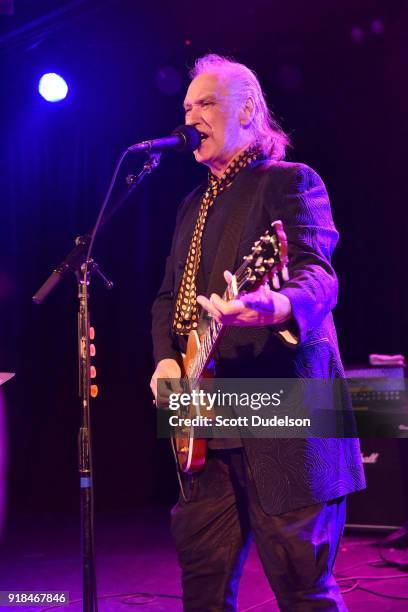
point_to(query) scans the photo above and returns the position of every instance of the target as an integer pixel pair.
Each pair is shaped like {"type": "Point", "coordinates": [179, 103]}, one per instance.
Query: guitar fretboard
{"type": "Point", "coordinates": [204, 354]}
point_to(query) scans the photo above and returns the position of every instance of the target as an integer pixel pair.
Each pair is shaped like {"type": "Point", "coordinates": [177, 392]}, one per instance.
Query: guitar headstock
{"type": "Point", "coordinates": [268, 260]}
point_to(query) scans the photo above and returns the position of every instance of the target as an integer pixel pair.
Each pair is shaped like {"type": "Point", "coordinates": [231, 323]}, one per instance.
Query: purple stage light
{"type": "Point", "coordinates": [377, 26]}
{"type": "Point", "coordinates": [357, 34]}
{"type": "Point", "coordinates": [52, 87]}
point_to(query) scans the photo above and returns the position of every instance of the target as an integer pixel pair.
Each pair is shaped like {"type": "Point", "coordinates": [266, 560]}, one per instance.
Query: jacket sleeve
{"type": "Point", "coordinates": [306, 215]}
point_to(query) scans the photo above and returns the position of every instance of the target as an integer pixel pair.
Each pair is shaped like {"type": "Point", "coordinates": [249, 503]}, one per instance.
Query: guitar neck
{"type": "Point", "coordinates": [208, 343]}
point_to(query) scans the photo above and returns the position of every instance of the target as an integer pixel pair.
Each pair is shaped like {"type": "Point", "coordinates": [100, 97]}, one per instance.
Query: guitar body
{"type": "Point", "coordinates": [191, 452]}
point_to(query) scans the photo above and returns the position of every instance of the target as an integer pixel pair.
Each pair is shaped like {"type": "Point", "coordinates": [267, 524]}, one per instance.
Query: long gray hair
{"type": "Point", "coordinates": [267, 133]}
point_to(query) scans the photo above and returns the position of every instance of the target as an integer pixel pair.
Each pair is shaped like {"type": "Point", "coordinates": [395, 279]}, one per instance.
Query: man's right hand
{"type": "Point", "coordinates": [169, 369]}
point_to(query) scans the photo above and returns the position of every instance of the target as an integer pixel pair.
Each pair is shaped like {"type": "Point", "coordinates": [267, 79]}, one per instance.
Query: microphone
{"type": "Point", "coordinates": [183, 138]}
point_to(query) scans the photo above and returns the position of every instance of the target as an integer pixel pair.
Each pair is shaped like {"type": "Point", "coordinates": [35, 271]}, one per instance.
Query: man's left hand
{"type": "Point", "coordinates": [258, 308]}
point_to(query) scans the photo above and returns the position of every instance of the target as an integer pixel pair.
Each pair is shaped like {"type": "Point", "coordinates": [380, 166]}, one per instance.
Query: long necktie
{"type": "Point", "coordinates": [186, 311]}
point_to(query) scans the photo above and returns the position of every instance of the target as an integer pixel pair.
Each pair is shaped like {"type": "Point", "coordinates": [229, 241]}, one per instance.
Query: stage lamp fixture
{"type": "Point", "coordinates": [52, 87]}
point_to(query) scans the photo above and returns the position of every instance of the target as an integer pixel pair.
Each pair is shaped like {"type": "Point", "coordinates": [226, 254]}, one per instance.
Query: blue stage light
{"type": "Point", "coordinates": [52, 87]}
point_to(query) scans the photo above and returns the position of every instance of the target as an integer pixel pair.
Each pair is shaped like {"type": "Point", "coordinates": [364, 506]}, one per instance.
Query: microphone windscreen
{"type": "Point", "coordinates": [191, 137]}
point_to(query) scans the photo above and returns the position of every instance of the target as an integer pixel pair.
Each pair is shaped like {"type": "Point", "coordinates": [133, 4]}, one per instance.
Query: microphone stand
{"type": "Point", "coordinates": [79, 262]}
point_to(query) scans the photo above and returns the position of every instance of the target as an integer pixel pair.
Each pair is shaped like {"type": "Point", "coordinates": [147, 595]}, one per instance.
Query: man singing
{"type": "Point", "coordinates": [288, 494]}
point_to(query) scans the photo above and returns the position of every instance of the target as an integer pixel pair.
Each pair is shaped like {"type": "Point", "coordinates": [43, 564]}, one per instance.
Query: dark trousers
{"type": "Point", "coordinates": [213, 531]}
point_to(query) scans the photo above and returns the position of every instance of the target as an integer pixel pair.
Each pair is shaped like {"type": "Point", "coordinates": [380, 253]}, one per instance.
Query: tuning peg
{"type": "Point", "coordinates": [256, 249]}
{"type": "Point", "coordinates": [248, 258]}
{"type": "Point", "coordinates": [92, 350]}
{"type": "Point", "coordinates": [285, 273]}
{"type": "Point", "coordinates": [275, 281]}
{"type": "Point", "coordinates": [260, 270]}
{"type": "Point", "coordinates": [252, 278]}
{"type": "Point", "coordinates": [269, 261]}
{"type": "Point", "coordinates": [92, 333]}
{"type": "Point", "coordinates": [92, 372]}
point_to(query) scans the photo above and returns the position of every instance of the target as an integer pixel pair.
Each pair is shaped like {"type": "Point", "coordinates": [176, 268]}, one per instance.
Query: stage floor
{"type": "Point", "coordinates": [135, 555]}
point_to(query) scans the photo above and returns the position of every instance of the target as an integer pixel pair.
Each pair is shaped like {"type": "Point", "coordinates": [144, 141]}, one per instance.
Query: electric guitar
{"type": "Point", "coordinates": [267, 261]}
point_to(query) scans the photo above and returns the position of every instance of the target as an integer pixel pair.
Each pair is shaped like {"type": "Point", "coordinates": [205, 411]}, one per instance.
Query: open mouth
{"type": "Point", "coordinates": [203, 136]}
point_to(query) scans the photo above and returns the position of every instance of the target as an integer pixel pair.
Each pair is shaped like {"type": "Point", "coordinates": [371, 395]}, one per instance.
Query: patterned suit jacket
{"type": "Point", "coordinates": [288, 473]}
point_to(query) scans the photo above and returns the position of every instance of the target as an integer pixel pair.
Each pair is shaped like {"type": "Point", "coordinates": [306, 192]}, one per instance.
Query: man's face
{"type": "Point", "coordinates": [210, 108]}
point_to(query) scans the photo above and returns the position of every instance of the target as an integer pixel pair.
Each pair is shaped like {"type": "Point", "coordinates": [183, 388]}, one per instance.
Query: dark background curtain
{"type": "Point", "coordinates": [336, 75]}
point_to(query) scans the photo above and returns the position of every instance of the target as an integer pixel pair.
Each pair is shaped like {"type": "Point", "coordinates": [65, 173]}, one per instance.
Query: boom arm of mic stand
{"type": "Point", "coordinates": [75, 259]}
{"type": "Point", "coordinates": [133, 180]}
{"type": "Point", "coordinates": [71, 263]}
